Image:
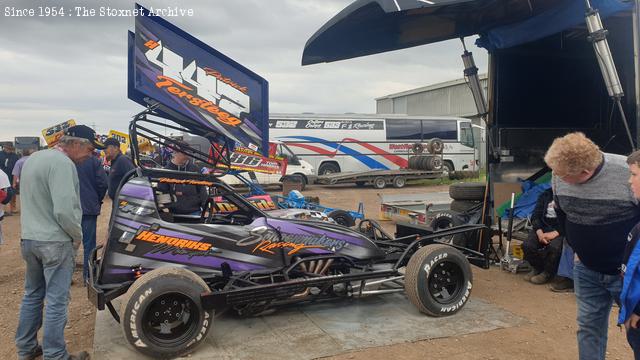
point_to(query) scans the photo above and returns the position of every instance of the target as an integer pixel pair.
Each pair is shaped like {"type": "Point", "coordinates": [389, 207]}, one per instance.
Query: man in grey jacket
{"type": "Point", "coordinates": [51, 232]}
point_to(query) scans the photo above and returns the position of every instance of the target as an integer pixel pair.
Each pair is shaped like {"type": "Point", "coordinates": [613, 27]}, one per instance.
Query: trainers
{"type": "Point", "coordinates": [563, 284]}
{"type": "Point", "coordinates": [530, 274]}
{"type": "Point", "coordinates": [82, 355]}
{"type": "Point", "coordinates": [34, 355]}
{"type": "Point", "coordinates": [541, 278]}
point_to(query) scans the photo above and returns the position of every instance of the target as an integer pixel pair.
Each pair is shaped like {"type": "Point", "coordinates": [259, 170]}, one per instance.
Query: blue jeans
{"type": "Point", "coordinates": [633, 337]}
{"type": "Point", "coordinates": [88, 241]}
{"type": "Point", "coordinates": [595, 294]}
{"type": "Point", "coordinates": [47, 277]}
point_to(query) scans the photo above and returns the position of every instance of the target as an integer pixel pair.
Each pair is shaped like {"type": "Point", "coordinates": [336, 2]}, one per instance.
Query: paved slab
{"type": "Point", "coordinates": [316, 330]}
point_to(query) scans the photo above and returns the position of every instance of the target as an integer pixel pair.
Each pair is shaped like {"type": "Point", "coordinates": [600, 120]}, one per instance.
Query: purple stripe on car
{"type": "Point", "coordinates": [292, 228]}
{"type": "Point", "coordinates": [137, 191]}
{"type": "Point", "coordinates": [161, 231]}
{"type": "Point", "coordinates": [207, 261]}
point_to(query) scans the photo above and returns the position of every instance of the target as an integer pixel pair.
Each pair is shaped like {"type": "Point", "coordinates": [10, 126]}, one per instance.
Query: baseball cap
{"type": "Point", "coordinates": [84, 132]}
{"type": "Point", "coordinates": [112, 141]}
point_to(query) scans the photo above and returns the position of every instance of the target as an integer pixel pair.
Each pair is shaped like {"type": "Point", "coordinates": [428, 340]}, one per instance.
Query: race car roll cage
{"type": "Point", "coordinates": [398, 250]}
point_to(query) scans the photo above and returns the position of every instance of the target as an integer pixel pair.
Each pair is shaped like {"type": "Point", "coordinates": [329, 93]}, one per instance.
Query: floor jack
{"type": "Point", "coordinates": [509, 262]}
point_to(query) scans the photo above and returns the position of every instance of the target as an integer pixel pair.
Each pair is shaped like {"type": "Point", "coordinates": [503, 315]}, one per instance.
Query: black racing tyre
{"type": "Point", "coordinates": [379, 182]}
{"type": "Point", "coordinates": [417, 148]}
{"type": "Point", "coordinates": [463, 205]}
{"type": "Point", "coordinates": [448, 169]}
{"type": "Point", "coordinates": [438, 280]}
{"type": "Point", "coordinates": [414, 162]}
{"type": "Point", "coordinates": [435, 146]}
{"type": "Point", "coordinates": [446, 219]}
{"type": "Point", "coordinates": [467, 191]}
{"type": "Point", "coordinates": [423, 163]}
{"type": "Point", "coordinates": [298, 178]}
{"type": "Point", "coordinates": [328, 168]}
{"type": "Point", "coordinates": [161, 313]}
{"type": "Point", "coordinates": [342, 217]}
{"type": "Point", "coordinates": [399, 182]}
{"type": "Point", "coordinates": [434, 163]}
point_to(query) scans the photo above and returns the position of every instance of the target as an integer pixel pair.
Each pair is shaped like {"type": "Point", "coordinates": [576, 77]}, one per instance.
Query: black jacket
{"type": "Point", "coordinates": [189, 198]}
{"type": "Point", "coordinates": [539, 220]}
{"type": "Point", "coordinates": [120, 166]}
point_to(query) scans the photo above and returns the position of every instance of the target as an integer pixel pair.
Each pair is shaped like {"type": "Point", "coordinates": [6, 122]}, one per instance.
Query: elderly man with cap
{"type": "Point", "coordinates": [51, 233]}
{"type": "Point", "coordinates": [120, 165]}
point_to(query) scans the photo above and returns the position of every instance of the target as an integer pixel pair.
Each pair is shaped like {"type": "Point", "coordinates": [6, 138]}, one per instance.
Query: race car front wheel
{"type": "Point", "coordinates": [438, 280]}
{"type": "Point", "coordinates": [161, 313]}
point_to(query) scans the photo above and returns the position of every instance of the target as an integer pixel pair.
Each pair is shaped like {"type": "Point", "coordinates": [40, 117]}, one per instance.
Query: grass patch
{"type": "Point", "coordinates": [482, 177]}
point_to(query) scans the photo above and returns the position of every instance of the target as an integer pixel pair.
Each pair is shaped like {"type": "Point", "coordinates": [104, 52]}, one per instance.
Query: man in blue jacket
{"type": "Point", "coordinates": [630, 294]}
{"type": "Point", "coordinates": [93, 186]}
{"type": "Point", "coordinates": [120, 165]}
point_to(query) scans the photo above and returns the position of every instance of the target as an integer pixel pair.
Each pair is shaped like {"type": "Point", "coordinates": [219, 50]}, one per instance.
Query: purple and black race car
{"type": "Point", "coordinates": [173, 272]}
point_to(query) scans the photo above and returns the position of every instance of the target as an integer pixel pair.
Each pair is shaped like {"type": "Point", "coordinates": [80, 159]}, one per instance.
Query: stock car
{"type": "Point", "coordinates": [173, 273]}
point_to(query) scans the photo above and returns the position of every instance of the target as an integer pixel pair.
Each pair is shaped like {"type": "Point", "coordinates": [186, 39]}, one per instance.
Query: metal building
{"type": "Point", "coordinates": [450, 98]}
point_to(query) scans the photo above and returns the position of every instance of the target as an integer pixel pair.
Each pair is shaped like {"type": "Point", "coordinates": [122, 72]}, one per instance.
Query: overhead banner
{"type": "Point", "coordinates": [53, 134]}
{"type": "Point", "coordinates": [197, 82]}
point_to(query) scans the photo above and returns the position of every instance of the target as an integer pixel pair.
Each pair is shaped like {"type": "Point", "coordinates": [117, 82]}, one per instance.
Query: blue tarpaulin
{"type": "Point", "coordinates": [527, 201]}
{"type": "Point", "coordinates": [566, 14]}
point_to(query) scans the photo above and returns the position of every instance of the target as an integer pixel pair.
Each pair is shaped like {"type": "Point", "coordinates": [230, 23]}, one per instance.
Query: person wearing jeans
{"type": "Point", "coordinates": [596, 210]}
{"type": "Point", "coordinates": [50, 232]}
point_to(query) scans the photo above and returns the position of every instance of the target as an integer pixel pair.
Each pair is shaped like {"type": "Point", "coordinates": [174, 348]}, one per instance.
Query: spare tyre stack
{"type": "Point", "coordinates": [466, 195]}
{"type": "Point", "coordinates": [432, 161]}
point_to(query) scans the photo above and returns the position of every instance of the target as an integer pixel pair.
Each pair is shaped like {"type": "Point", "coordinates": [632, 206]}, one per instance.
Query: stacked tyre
{"type": "Point", "coordinates": [466, 195]}
{"type": "Point", "coordinates": [467, 198]}
{"type": "Point", "coordinates": [425, 162]}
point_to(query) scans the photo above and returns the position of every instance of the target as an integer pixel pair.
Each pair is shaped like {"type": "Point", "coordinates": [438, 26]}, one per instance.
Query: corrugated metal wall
{"type": "Point", "coordinates": [452, 98]}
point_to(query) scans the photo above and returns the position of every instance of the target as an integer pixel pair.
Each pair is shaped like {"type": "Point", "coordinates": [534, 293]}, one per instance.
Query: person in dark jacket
{"type": "Point", "coordinates": [188, 199]}
{"type": "Point", "coordinates": [543, 246]}
{"type": "Point", "coordinates": [8, 159]}
{"type": "Point", "coordinates": [120, 165]}
{"type": "Point", "coordinates": [93, 186]}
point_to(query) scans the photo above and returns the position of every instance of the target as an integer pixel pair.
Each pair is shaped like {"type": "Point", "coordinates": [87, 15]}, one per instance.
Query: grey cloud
{"type": "Point", "coordinates": [53, 69]}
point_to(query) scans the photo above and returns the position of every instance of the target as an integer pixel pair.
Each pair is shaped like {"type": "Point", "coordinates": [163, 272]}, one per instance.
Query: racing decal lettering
{"type": "Point", "coordinates": [427, 267]}
{"type": "Point", "coordinates": [134, 314]}
{"type": "Point", "coordinates": [203, 88]}
{"type": "Point", "coordinates": [126, 207]}
{"type": "Point", "coordinates": [460, 303]}
{"type": "Point", "coordinates": [261, 202]}
{"type": "Point", "coordinates": [185, 182]}
{"type": "Point", "coordinates": [268, 245]}
{"type": "Point", "coordinates": [190, 250]}
{"type": "Point", "coordinates": [151, 237]}
{"type": "Point", "coordinates": [269, 239]}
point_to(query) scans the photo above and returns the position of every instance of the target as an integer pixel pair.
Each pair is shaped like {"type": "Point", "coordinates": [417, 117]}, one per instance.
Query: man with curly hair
{"type": "Point", "coordinates": [596, 210]}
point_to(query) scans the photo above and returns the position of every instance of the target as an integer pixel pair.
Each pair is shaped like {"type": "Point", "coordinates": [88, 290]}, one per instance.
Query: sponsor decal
{"type": "Point", "coordinates": [268, 240]}
{"type": "Point", "coordinates": [174, 242]}
{"type": "Point", "coordinates": [203, 89]}
{"type": "Point", "coordinates": [126, 207]}
{"type": "Point", "coordinates": [262, 202]}
{"type": "Point", "coordinates": [185, 182]}
{"type": "Point", "coordinates": [327, 124]}
{"type": "Point", "coordinates": [248, 159]}
{"type": "Point", "coordinates": [53, 134]}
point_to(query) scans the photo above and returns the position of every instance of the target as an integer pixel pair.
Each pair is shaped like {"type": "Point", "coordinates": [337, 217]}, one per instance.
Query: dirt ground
{"type": "Point", "coordinates": [550, 333]}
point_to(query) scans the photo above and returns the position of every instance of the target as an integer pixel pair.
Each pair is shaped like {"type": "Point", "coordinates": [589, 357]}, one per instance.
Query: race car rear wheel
{"type": "Point", "coordinates": [438, 280]}
{"type": "Point", "coordinates": [162, 315]}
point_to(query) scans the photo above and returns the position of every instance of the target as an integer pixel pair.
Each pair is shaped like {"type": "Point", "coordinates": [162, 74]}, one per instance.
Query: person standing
{"type": "Point", "coordinates": [596, 210]}
{"type": "Point", "coordinates": [8, 159]}
{"type": "Point", "coordinates": [17, 169]}
{"type": "Point", "coordinates": [6, 194]}
{"type": "Point", "coordinates": [120, 165]}
{"type": "Point", "coordinates": [630, 294]}
{"type": "Point", "coordinates": [50, 234]}
{"type": "Point", "coordinates": [93, 187]}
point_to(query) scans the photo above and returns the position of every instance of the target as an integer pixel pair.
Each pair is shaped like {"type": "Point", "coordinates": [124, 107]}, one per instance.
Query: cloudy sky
{"type": "Point", "coordinates": [57, 68]}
